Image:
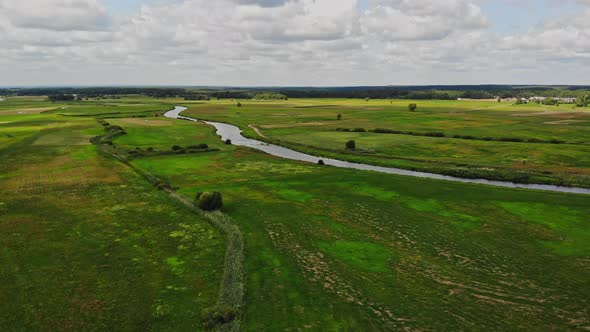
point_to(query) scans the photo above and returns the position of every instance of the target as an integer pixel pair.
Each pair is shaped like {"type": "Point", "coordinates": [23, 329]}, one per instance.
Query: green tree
{"type": "Point", "coordinates": [583, 101]}
{"type": "Point", "coordinates": [339, 116]}
{"type": "Point", "coordinates": [412, 107]}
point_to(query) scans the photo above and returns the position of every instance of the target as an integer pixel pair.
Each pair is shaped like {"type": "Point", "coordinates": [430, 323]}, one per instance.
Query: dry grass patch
{"type": "Point", "coordinates": [60, 139]}
{"type": "Point", "coordinates": [563, 113]}
{"type": "Point", "coordinates": [291, 125]}
{"type": "Point", "coordinates": [563, 122]}
{"type": "Point", "coordinates": [28, 110]}
{"type": "Point", "coordinates": [62, 171]}
{"type": "Point", "coordinates": [146, 122]}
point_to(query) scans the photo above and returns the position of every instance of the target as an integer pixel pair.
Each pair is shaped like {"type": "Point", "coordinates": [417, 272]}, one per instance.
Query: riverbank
{"type": "Point", "coordinates": [233, 133]}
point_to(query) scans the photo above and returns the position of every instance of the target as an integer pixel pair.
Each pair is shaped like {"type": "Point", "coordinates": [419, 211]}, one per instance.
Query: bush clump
{"type": "Point", "coordinates": [359, 130]}
{"type": "Point", "coordinates": [215, 317]}
{"type": "Point", "coordinates": [209, 201]}
{"type": "Point", "coordinates": [436, 134]}
{"type": "Point", "coordinates": [387, 131]}
{"type": "Point", "coordinates": [112, 129]}
{"type": "Point", "coordinates": [351, 145]}
{"type": "Point", "coordinates": [198, 147]}
{"type": "Point", "coordinates": [511, 139]}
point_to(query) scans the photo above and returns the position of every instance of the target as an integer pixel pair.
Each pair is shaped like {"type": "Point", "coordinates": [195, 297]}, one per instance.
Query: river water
{"type": "Point", "coordinates": [233, 133]}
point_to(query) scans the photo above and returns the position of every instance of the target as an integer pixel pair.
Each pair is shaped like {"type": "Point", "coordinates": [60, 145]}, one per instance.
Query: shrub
{"type": "Point", "coordinates": [435, 134]}
{"type": "Point", "coordinates": [228, 141]}
{"type": "Point", "coordinates": [488, 139]}
{"type": "Point", "coordinates": [239, 104]}
{"type": "Point", "coordinates": [511, 139]}
{"type": "Point", "coordinates": [113, 129]}
{"type": "Point", "coordinates": [209, 201]}
{"type": "Point", "coordinates": [176, 148]}
{"type": "Point", "coordinates": [351, 145]}
{"type": "Point", "coordinates": [339, 116]}
{"type": "Point", "coordinates": [215, 317]}
{"type": "Point", "coordinates": [198, 147]}
{"type": "Point", "coordinates": [150, 149]}
{"type": "Point", "coordinates": [321, 162]}
{"type": "Point", "coordinates": [381, 131]}
{"type": "Point", "coordinates": [412, 107]}
{"type": "Point", "coordinates": [359, 130]}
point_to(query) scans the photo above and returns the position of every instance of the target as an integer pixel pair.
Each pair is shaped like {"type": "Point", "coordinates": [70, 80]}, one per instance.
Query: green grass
{"type": "Point", "coordinates": [310, 126]}
{"type": "Point", "coordinates": [441, 255]}
{"type": "Point", "coordinates": [88, 245]}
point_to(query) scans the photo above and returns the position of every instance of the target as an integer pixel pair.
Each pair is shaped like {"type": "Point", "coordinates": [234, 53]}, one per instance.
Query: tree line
{"type": "Point", "coordinates": [385, 92]}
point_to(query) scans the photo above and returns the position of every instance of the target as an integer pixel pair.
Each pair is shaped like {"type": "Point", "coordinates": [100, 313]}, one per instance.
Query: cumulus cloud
{"type": "Point", "coordinates": [60, 15]}
{"type": "Point", "coordinates": [421, 19]}
{"type": "Point", "coordinates": [264, 42]}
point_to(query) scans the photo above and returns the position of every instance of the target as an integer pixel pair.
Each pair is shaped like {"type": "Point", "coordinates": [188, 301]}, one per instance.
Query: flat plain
{"type": "Point", "coordinates": [89, 244]}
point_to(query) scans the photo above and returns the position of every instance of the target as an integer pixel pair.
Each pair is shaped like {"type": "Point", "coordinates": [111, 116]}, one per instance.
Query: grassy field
{"type": "Point", "coordinates": [311, 126]}
{"type": "Point", "coordinates": [346, 250]}
{"type": "Point", "coordinates": [86, 244]}
{"type": "Point", "coordinates": [327, 249]}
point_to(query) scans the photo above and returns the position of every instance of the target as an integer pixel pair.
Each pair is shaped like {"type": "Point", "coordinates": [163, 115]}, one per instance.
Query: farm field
{"type": "Point", "coordinates": [497, 140]}
{"type": "Point", "coordinates": [326, 248]}
{"type": "Point", "coordinates": [87, 244]}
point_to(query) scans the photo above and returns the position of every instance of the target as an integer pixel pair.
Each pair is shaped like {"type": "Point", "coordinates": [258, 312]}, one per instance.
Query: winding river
{"type": "Point", "coordinates": [233, 133]}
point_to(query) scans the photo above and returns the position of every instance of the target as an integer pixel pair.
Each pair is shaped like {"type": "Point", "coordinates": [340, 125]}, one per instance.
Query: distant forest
{"type": "Point", "coordinates": [444, 92]}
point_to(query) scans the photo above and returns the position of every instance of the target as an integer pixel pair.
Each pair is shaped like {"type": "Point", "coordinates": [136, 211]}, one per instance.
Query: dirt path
{"type": "Point", "coordinates": [258, 131]}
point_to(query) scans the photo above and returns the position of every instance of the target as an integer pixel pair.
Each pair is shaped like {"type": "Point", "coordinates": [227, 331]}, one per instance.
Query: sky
{"type": "Point", "coordinates": [294, 42]}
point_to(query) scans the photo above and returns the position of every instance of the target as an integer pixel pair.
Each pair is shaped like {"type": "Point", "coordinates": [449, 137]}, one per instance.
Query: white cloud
{"type": "Point", "coordinates": [59, 15]}
{"type": "Point", "coordinates": [276, 42]}
{"type": "Point", "coordinates": [421, 19]}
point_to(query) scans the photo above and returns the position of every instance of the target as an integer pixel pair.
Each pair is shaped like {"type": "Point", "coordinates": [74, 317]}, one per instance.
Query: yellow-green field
{"type": "Point", "coordinates": [481, 138]}
{"type": "Point", "coordinates": [89, 244]}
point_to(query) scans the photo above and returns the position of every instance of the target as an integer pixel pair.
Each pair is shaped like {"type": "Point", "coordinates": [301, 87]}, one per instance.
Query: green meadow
{"type": "Point", "coordinates": [89, 244]}
{"type": "Point", "coordinates": [481, 138]}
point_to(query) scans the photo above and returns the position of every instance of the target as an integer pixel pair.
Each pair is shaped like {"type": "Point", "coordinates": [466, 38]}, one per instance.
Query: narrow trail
{"type": "Point", "coordinates": [258, 131]}
{"type": "Point", "coordinates": [232, 288]}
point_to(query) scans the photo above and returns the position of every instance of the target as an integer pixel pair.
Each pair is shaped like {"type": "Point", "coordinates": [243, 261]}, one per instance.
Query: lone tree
{"type": "Point", "coordinates": [584, 101]}
{"type": "Point", "coordinates": [412, 107]}
{"type": "Point", "coordinates": [209, 201]}
{"type": "Point", "coordinates": [239, 104]}
{"type": "Point", "coordinates": [339, 116]}
{"type": "Point", "coordinates": [351, 145]}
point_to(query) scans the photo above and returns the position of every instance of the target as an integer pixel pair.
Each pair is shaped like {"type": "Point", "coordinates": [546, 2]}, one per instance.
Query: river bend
{"type": "Point", "coordinates": [233, 133]}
